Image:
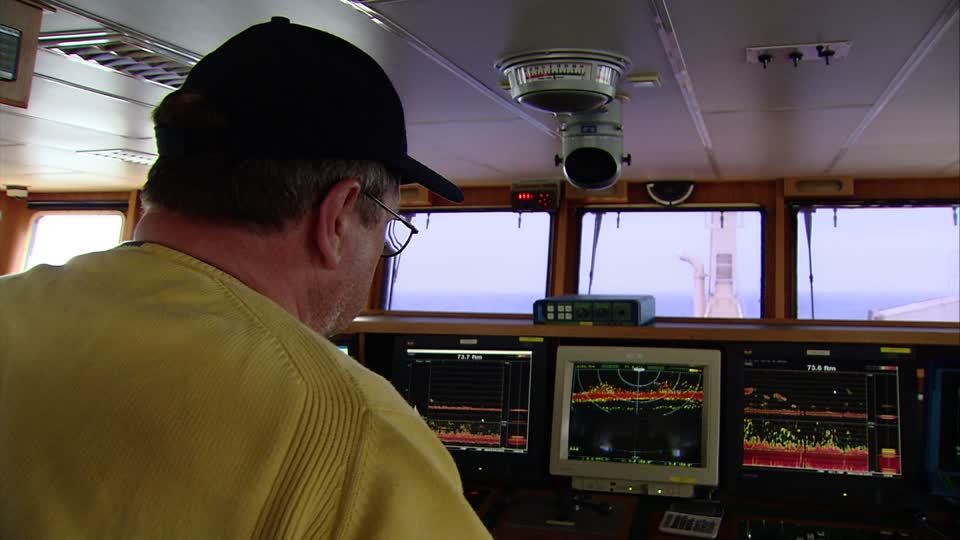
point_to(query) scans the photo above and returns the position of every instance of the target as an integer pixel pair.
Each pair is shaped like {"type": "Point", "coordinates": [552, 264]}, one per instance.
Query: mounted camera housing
{"type": "Point", "coordinates": [592, 150]}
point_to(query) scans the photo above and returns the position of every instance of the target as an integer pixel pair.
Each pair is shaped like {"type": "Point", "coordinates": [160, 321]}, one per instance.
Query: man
{"type": "Point", "coordinates": [179, 386]}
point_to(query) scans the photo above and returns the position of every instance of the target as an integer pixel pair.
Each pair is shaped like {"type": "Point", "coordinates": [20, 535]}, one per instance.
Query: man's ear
{"type": "Point", "coordinates": [335, 220]}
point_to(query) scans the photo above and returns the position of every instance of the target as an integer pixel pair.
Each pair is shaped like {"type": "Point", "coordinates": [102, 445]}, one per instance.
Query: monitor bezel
{"type": "Point", "coordinates": [494, 469]}
{"type": "Point", "coordinates": [831, 488]}
{"type": "Point", "coordinates": [707, 359]}
{"type": "Point", "coordinates": [940, 481]}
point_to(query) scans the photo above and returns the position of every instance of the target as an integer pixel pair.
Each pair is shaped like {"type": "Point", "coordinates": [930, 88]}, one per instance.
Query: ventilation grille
{"type": "Point", "coordinates": [121, 53]}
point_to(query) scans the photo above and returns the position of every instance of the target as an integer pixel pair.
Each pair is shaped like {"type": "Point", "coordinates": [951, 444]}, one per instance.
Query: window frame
{"type": "Point", "coordinates": [696, 207]}
{"type": "Point", "coordinates": [793, 208]}
{"type": "Point", "coordinates": [385, 272]}
{"type": "Point", "coordinates": [40, 214]}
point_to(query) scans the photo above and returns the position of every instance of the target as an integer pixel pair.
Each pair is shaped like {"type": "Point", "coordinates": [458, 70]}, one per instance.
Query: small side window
{"type": "Point", "coordinates": [57, 238]}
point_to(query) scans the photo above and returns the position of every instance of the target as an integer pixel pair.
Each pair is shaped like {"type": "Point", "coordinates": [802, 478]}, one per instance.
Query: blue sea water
{"type": "Point", "coordinates": [667, 305]}
{"type": "Point", "coordinates": [827, 305]}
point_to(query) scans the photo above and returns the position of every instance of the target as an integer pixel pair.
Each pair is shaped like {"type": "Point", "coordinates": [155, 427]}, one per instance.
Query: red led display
{"type": "Point", "coordinates": [534, 200]}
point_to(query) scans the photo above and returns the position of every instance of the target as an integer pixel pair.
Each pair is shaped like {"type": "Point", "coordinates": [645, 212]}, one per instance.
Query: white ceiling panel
{"type": "Point", "coordinates": [202, 26]}
{"type": "Point", "coordinates": [898, 160]}
{"type": "Point", "coordinates": [96, 78]}
{"type": "Point", "coordinates": [63, 104]}
{"type": "Point", "coordinates": [487, 30]}
{"type": "Point", "coordinates": [39, 166]}
{"type": "Point", "coordinates": [499, 149]}
{"type": "Point", "coordinates": [927, 108]}
{"type": "Point", "coordinates": [714, 35]}
{"type": "Point", "coordinates": [763, 123]}
{"type": "Point", "coordinates": [787, 143]}
{"type": "Point", "coordinates": [17, 125]}
{"type": "Point", "coordinates": [658, 131]}
{"type": "Point", "coordinates": [12, 169]}
{"type": "Point", "coordinates": [61, 21]}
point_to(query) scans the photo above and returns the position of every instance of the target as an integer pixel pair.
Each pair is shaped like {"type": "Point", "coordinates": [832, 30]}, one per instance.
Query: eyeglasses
{"type": "Point", "coordinates": [396, 238]}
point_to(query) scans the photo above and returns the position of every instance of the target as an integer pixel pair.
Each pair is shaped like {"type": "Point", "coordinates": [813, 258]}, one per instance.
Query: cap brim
{"type": "Point", "coordinates": [413, 172]}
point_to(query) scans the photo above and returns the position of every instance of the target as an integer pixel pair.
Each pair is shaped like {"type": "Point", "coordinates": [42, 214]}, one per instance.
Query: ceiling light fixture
{"type": "Point", "coordinates": [644, 80]}
{"type": "Point", "coordinates": [77, 35]}
{"type": "Point", "coordinates": [81, 43]}
{"type": "Point", "coordinates": [126, 155]}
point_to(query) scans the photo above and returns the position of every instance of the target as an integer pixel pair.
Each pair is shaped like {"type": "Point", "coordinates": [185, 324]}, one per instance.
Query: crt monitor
{"type": "Point", "coordinates": [637, 420]}
{"type": "Point", "coordinates": [943, 424]}
{"type": "Point", "coordinates": [482, 396]}
{"type": "Point", "coordinates": [833, 422]}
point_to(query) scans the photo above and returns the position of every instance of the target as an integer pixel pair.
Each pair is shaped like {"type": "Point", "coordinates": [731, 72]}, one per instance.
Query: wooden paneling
{"type": "Point", "coordinates": [777, 273]}
{"type": "Point", "coordinates": [14, 232]}
{"type": "Point", "coordinates": [132, 216]}
{"type": "Point", "coordinates": [758, 192]}
{"type": "Point", "coordinates": [944, 189]}
{"type": "Point", "coordinates": [477, 197]}
{"type": "Point", "coordinates": [722, 331]}
{"type": "Point", "coordinates": [123, 196]}
{"type": "Point", "coordinates": [563, 262]}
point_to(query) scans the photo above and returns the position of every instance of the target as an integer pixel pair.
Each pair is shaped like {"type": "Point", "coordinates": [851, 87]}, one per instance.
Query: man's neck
{"type": "Point", "coordinates": [268, 263]}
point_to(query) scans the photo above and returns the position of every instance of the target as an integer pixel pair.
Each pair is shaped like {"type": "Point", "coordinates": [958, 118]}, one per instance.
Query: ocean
{"type": "Point", "coordinates": [828, 305]}
{"type": "Point", "coordinates": [667, 305]}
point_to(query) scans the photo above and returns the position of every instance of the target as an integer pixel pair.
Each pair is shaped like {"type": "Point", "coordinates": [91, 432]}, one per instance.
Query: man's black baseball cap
{"type": "Point", "coordinates": [288, 91]}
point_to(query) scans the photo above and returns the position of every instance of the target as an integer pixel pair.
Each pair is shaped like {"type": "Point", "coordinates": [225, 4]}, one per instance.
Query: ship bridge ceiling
{"type": "Point", "coordinates": [890, 108]}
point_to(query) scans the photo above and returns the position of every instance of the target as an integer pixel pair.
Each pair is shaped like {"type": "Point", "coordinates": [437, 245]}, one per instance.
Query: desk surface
{"type": "Point", "coordinates": [641, 518]}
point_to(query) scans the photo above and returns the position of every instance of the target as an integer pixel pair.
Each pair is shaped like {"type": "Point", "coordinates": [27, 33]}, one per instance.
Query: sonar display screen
{"type": "Point", "coordinates": [637, 414]}
{"type": "Point", "coordinates": [472, 399]}
{"type": "Point", "coordinates": [818, 416]}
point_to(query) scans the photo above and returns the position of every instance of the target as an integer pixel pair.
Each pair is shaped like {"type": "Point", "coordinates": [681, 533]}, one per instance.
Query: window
{"type": "Point", "coordinates": [482, 262]}
{"type": "Point", "coordinates": [695, 263]}
{"type": "Point", "coordinates": [879, 263]}
{"type": "Point", "coordinates": [56, 238]}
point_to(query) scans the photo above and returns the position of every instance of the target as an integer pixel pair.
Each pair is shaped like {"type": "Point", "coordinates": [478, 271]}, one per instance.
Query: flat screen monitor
{"type": "Point", "coordinates": [640, 420]}
{"type": "Point", "coordinates": [481, 396]}
{"type": "Point", "coordinates": [347, 343]}
{"type": "Point", "coordinates": [943, 441]}
{"type": "Point", "coordinates": [831, 421]}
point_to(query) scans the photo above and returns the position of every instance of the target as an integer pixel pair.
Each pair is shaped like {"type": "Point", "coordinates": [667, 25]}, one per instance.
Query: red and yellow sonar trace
{"type": "Point", "coordinates": [605, 392]}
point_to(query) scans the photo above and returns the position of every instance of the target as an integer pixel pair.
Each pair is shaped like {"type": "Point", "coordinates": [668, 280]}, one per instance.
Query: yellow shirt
{"type": "Point", "coordinates": [146, 394]}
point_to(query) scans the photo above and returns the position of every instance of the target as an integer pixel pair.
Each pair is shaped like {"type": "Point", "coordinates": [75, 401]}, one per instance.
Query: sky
{"type": "Point", "coordinates": [882, 250]}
